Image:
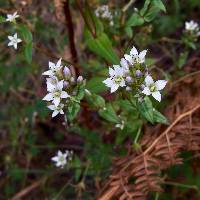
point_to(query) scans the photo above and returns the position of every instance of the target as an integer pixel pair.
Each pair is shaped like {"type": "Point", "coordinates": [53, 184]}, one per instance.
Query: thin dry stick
{"type": "Point", "coordinates": [28, 189]}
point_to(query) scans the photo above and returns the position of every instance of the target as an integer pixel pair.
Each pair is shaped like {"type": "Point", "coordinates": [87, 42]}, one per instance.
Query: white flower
{"type": "Point", "coordinates": [53, 68]}
{"type": "Point", "coordinates": [116, 79]}
{"type": "Point", "coordinates": [14, 40]}
{"type": "Point", "coordinates": [153, 88]}
{"type": "Point", "coordinates": [191, 26]}
{"type": "Point", "coordinates": [135, 57]}
{"type": "Point", "coordinates": [61, 159]}
{"type": "Point", "coordinates": [104, 13]}
{"type": "Point", "coordinates": [56, 109]}
{"type": "Point", "coordinates": [56, 93]}
{"type": "Point", "coordinates": [11, 18]}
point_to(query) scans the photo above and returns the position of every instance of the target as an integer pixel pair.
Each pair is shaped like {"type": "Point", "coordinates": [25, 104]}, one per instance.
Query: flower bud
{"type": "Point", "coordinates": [128, 88]}
{"type": "Point", "coordinates": [138, 73]}
{"type": "Point", "coordinates": [80, 79]}
{"type": "Point", "coordinates": [72, 80]}
{"type": "Point", "coordinates": [66, 84]}
{"type": "Point", "coordinates": [67, 72]}
{"type": "Point", "coordinates": [129, 79]}
{"type": "Point", "coordinates": [142, 87]}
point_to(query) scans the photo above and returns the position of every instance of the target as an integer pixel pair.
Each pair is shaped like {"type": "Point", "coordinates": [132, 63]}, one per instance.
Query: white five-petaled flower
{"type": "Point", "coordinates": [61, 159]}
{"type": "Point", "coordinates": [116, 79]}
{"type": "Point", "coordinates": [53, 68]}
{"type": "Point", "coordinates": [56, 93]}
{"type": "Point", "coordinates": [14, 40]}
{"type": "Point", "coordinates": [135, 57]}
{"type": "Point", "coordinates": [153, 88]}
{"type": "Point", "coordinates": [11, 18]}
{"type": "Point", "coordinates": [191, 26]}
{"type": "Point", "coordinates": [56, 109]}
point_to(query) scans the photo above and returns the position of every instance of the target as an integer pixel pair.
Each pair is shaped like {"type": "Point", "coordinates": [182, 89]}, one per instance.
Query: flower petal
{"type": "Point", "coordinates": [122, 84]}
{"type": "Point", "coordinates": [51, 107]}
{"type": "Point", "coordinates": [124, 63]}
{"type": "Point", "coordinates": [133, 51]}
{"type": "Point", "coordinates": [142, 56]}
{"type": "Point", "coordinates": [157, 95]}
{"type": "Point", "coordinates": [56, 101]}
{"type": "Point", "coordinates": [148, 80]}
{"type": "Point", "coordinates": [58, 63]}
{"type": "Point", "coordinates": [108, 82]}
{"type": "Point", "coordinates": [55, 112]}
{"type": "Point", "coordinates": [59, 85]}
{"type": "Point", "coordinates": [64, 94]}
{"type": "Point", "coordinates": [48, 97]}
{"type": "Point", "coordinates": [55, 158]}
{"type": "Point", "coordinates": [48, 73]}
{"type": "Point", "coordinates": [111, 72]}
{"type": "Point", "coordinates": [160, 84]}
{"type": "Point", "coordinates": [114, 88]}
{"type": "Point", "coordinates": [146, 91]}
{"type": "Point", "coordinates": [51, 65]}
{"type": "Point", "coordinates": [129, 58]}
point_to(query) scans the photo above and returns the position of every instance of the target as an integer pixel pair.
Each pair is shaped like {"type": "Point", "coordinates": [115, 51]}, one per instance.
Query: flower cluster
{"type": "Point", "coordinates": [192, 28]}
{"type": "Point", "coordinates": [133, 75]}
{"type": "Point", "coordinates": [104, 13]}
{"type": "Point", "coordinates": [61, 159]}
{"type": "Point", "coordinates": [60, 84]}
{"type": "Point", "coordinates": [14, 40]}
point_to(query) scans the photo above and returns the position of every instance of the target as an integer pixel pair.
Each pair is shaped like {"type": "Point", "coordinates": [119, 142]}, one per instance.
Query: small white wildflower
{"type": "Point", "coordinates": [14, 40]}
{"type": "Point", "coordinates": [153, 88]}
{"type": "Point", "coordinates": [56, 93]}
{"type": "Point", "coordinates": [61, 159]}
{"type": "Point", "coordinates": [11, 18]}
{"type": "Point", "coordinates": [116, 79]}
{"type": "Point", "coordinates": [53, 68]}
{"type": "Point", "coordinates": [191, 26]}
{"type": "Point", "coordinates": [56, 109]}
{"type": "Point", "coordinates": [135, 57]}
{"type": "Point", "coordinates": [104, 13]}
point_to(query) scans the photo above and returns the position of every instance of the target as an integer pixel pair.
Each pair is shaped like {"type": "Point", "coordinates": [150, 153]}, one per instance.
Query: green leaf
{"type": "Point", "coordinates": [135, 20]}
{"type": "Point", "coordinates": [182, 59]}
{"type": "Point", "coordinates": [159, 118]}
{"type": "Point", "coordinates": [2, 19]}
{"type": "Point", "coordinates": [80, 91]}
{"type": "Point", "coordinates": [96, 85]}
{"type": "Point", "coordinates": [152, 13]}
{"type": "Point", "coordinates": [28, 52]}
{"type": "Point", "coordinates": [95, 101]}
{"type": "Point", "coordinates": [26, 33]}
{"type": "Point", "coordinates": [72, 110]}
{"type": "Point", "coordinates": [109, 114]}
{"type": "Point", "coordinates": [159, 4]}
{"type": "Point", "coordinates": [129, 31]}
{"type": "Point", "coordinates": [102, 47]}
{"type": "Point", "coordinates": [145, 7]}
{"type": "Point", "coordinates": [146, 109]}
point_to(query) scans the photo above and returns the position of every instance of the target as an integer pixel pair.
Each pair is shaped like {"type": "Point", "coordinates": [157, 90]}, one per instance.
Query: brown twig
{"type": "Point", "coordinates": [28, 189]}
{"type": "Point", "coordinates": [70, 31]}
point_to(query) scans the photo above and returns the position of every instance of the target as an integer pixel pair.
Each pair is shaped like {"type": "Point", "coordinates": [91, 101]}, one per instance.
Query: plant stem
{"type": "Point", "coordinates": [181, 185]}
